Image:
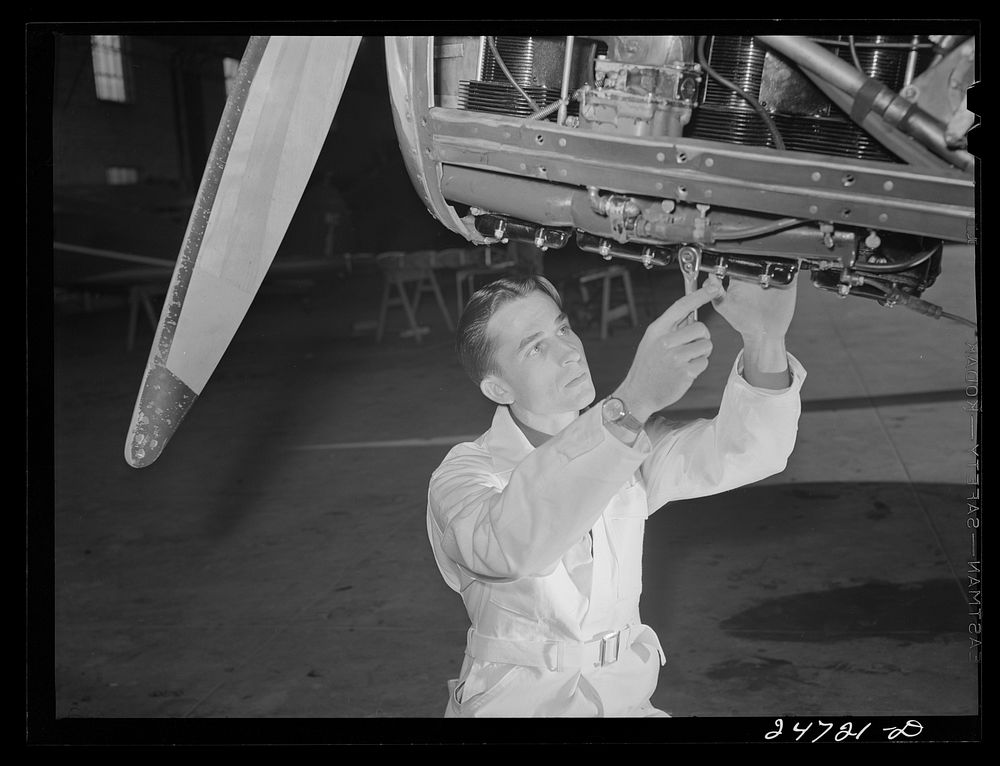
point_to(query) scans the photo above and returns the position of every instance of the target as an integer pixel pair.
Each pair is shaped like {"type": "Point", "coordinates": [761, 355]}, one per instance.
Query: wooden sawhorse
{"type": "Point", "coordinates": [399, 270]}
{"type": "Point", "coordinates": [609, 314]}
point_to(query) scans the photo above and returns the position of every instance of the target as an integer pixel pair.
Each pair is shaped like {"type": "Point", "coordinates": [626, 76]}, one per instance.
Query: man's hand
{"type": "Point", "coordinates": [752, 311]}
{"type": "Point", "coordinates": [669, 356]}
{"type": "Point", "coordinates": [762, 317]}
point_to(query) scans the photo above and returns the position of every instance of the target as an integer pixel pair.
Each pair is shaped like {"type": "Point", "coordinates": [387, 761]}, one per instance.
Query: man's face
{"type": "Point", "coordinates": [541, 360]}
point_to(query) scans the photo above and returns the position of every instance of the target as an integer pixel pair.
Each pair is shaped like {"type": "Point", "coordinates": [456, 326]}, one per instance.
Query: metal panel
{"type": "Point", "coordinates": [810, 186]}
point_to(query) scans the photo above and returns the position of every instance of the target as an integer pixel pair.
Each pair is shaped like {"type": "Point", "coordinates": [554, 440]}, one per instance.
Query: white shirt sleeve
{"type": "Point", "coordinates": [522, 527]}
{"type": "Point", "coordinates": [749, 440]}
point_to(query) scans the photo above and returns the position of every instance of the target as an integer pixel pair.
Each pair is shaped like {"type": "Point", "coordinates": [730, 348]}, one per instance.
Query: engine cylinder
{"type": "Point", "coordinates": [536, 64]}
{"type": "Point", "coordinates": [805, 118]}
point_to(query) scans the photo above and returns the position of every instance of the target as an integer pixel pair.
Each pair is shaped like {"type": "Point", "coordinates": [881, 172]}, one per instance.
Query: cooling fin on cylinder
{"type": "Point", "coordinates": [535, 64]}
{"type": "Point", "coordinates": [804, 117]}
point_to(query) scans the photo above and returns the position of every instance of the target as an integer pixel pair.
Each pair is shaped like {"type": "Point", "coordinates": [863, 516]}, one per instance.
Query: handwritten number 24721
{"type": "Point", "coordinates": [909, 729]}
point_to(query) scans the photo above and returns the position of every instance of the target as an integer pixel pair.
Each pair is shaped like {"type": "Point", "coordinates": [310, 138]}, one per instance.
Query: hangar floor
{"type": "Point", "coordinates": [274, 563]}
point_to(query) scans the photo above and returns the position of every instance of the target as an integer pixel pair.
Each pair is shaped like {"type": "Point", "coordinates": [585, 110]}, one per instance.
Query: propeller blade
{"type": "Point", "coordinates": [273, 126]}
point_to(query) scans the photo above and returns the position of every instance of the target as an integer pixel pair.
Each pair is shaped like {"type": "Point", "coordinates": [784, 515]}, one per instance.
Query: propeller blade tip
{"type": "Point", "coordinates": [163, 402]}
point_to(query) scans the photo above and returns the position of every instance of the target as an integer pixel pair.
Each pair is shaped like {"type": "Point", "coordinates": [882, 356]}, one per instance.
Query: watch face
{"type": "Point", "coordinates": [614, 409]}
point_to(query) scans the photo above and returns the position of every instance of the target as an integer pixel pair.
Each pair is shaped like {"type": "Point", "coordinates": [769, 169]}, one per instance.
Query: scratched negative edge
{"type": "Point", "coordinates": [163, 398]}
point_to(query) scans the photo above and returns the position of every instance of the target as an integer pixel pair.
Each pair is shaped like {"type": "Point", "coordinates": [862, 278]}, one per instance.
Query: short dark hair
{"type": "Point", "coordinates": [474, 345]}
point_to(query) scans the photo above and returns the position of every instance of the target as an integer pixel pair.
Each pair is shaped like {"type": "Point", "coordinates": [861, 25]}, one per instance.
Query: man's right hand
{"type": "Point", "coordinates": [670, 356]}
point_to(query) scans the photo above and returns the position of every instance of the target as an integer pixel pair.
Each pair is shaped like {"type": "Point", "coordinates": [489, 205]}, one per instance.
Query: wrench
{"type": "Point", "coordinates": [689, 259]}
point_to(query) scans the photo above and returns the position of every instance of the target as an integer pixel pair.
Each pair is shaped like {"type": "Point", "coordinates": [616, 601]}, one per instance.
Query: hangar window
{"type": "Point", "coordinates": [121, 176]}
{"type": "Point", "coordinates": [110, 58]}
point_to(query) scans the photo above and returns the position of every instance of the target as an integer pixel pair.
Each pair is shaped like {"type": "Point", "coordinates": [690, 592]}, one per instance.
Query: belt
{"type": "Point", "coordinates": [555, 655]}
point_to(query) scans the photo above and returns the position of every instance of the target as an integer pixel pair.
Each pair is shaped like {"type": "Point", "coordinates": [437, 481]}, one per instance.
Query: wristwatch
{"type": "Point", "coordinates": [614, 411]}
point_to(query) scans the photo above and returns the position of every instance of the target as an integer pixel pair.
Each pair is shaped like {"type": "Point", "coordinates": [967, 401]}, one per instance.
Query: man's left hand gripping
{"type": "Point", "coordinates": [762, 317]}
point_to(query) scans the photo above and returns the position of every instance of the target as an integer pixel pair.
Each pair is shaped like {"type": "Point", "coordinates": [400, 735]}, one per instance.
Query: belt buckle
{"type": "Point", "coordinates": [604, 656]}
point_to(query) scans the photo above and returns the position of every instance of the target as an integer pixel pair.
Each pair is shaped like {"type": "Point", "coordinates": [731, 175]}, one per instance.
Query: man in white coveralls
{"type": "Point", "coordinates": [538, 524]}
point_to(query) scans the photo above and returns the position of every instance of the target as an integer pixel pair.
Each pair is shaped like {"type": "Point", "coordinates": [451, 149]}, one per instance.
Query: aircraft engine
{"type": "Point", "coordinates": [697, 96]}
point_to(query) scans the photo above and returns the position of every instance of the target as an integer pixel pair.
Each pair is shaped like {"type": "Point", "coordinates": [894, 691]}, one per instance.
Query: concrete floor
{"type": "Point", "coordinates": [263, 569]}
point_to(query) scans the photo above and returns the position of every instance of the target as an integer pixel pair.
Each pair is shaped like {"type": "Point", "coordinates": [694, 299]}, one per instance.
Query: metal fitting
{"type": "Point", "coordinates": [647, 257]}
{"type": "Point", "coordinates": [688, 257]}
{"type": "Point", "coordinates": [827, 231]}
